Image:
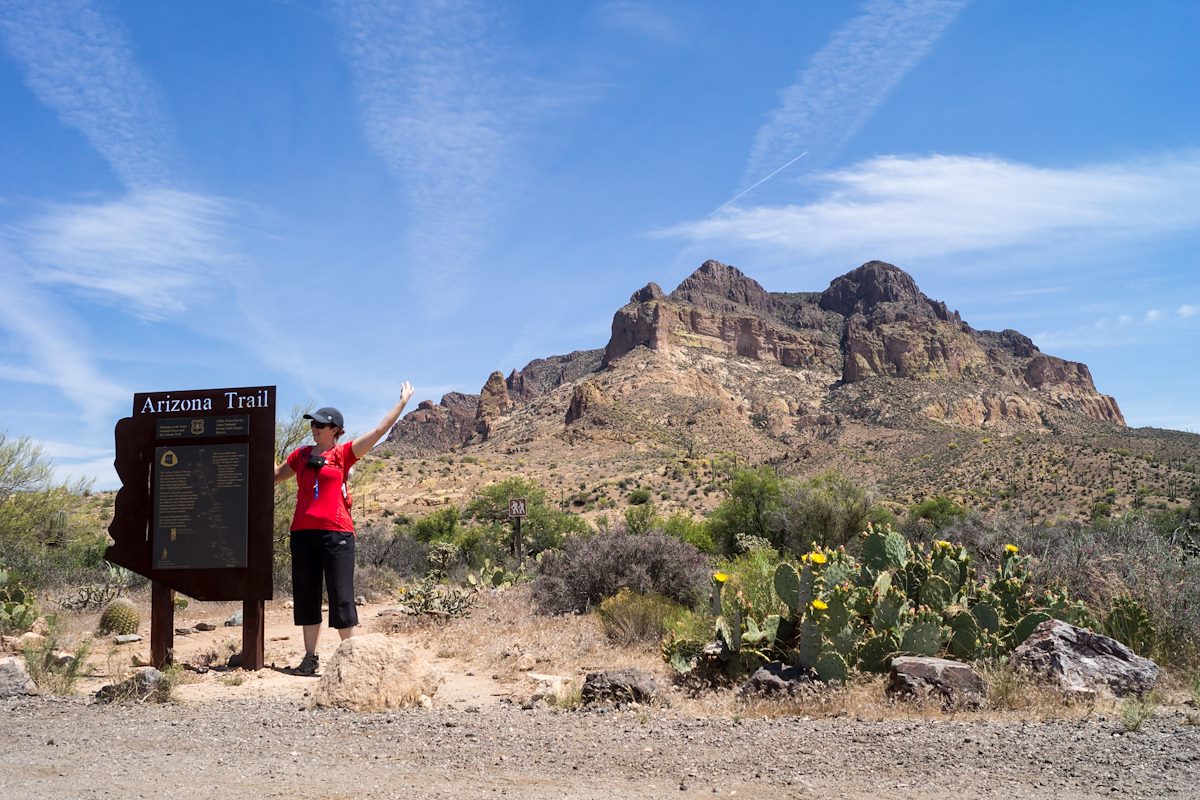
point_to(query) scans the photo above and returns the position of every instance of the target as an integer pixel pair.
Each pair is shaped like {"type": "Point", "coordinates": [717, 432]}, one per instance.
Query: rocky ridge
{"type": "Point", "coordinates": [871, 347]}
{"type": "Point", "coordinates": [869, 378]}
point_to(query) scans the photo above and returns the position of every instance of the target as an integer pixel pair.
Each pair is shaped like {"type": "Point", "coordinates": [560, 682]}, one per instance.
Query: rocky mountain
{"type": "Point", "coordinates": [869, 376]}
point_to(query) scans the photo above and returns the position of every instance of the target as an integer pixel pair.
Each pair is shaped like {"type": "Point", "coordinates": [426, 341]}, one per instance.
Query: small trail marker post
{"type": "Point", "coordinates": [516, 512]}
{"type": "Point", "coordinates": [194, 512]}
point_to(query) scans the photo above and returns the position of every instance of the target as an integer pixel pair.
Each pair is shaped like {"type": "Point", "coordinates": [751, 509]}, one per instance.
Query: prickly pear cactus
{"type": "Point", "coordinates": [924, 636]}
{"type": "Point", "coordinates": [937, 593]}
{"type": "Point", "coordinates": [1026, 626]}
{"type": "Point", "coordinates": [1129, 624]}
{"type": "Point", "coordinates": [876, 653]}
{"type": "Point", "coordinates": [830, 667]}
{"type": "Point", "coordinates": [888, 611]}
{"type": "Point", "coordinates": [119, 617]}
{"type": "Point", "coordinates": [794, 588]}
{"type": "Point", "coordinates": [964, 633]}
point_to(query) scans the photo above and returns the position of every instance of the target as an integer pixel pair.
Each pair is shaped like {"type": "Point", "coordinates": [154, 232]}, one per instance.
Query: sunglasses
{"type": "Point", "coordinates": [318, 425]}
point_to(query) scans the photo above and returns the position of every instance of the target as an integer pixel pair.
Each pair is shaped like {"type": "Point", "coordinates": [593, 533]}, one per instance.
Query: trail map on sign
{"type": "Point", "coordinates": [200, 506]}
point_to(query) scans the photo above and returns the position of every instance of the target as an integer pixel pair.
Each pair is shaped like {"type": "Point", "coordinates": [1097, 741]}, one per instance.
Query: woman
{"type": "Point", "coordinates": [322, 532]}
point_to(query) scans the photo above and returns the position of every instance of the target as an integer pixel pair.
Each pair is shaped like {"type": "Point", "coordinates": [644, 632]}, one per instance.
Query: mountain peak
{"type": "Point", "coordinates": [864, 288]}
{"type": "Point", "coordinates": [721, 287]}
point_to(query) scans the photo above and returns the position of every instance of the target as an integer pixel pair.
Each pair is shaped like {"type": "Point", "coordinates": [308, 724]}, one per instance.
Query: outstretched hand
{"type": "Point", "coordinates": [406, 391]}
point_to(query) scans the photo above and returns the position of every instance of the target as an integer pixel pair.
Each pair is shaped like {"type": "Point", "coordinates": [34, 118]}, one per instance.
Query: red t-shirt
{"type": "Point", "coordinates": [321, 503]}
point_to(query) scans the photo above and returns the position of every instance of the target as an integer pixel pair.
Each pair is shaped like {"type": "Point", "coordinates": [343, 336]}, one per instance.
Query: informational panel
{"type": "Point", "coordinates": [200, 506]}
{"type": "Point", "coordinates": [195, 509]}
{"type": "Point", "coordinates": [196, 505]}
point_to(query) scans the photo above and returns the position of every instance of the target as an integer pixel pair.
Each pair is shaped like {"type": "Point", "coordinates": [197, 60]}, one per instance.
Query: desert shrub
{"type": "Point", "coordinates": [544, 527]}
{"type": "Point", "coordinates": [790, 516]}
{"type": "Point", "coordinates": [42, 660]}
{"type": "Point", "coordinates": [753, 506]}
{"type": "Point", "coordinates": [931, 516]}
{"type": "Point", "coordinates": [590, 568]}
{"type": "Point", "coordinates": [439, 526]}
{"type": "Point", "coordinates": [830, 510]}
{"type": "Point", "coordinates": [47, 540]}
{"type": "Point", "coordinates": [374, 582]}
{"type": "Point", "coordinates": [393, 549]}
{"type": "Point", "coordinates": [641, 518]}
{"type": "Point", "coordinates": [632, 617]}
{"type": "Point", "coordinates": [693, 531]}
{"type": "Point", "coordinates": [638, 497]}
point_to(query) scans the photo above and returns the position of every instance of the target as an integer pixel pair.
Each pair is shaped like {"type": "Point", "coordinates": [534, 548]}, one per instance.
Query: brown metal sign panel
{"type": "Point", "coordinates": [195, 508]}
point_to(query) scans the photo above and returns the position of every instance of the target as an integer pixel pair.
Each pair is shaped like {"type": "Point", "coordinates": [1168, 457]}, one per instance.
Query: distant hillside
{"type": "Point", "coordinates": [869, 377]}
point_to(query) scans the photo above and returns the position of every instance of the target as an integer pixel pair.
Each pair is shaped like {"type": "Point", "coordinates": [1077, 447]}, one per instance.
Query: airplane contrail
{"type": "Point", "coordinates": [759, 183]}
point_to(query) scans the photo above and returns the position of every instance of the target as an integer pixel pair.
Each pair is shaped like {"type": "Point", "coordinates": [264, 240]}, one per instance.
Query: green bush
{"type": "Point", "coordinates": [17, 609]}
{"type": "Point", "coordinates": [693, 531]}
{"type": "Point", "coordinates": [790, 515]}
{"type": "Point", "coordinates": [544, 527]}
{"type": "Point", "coordinates": [638, 497]}
{"type": "Point", "coordinates": [632, 617]}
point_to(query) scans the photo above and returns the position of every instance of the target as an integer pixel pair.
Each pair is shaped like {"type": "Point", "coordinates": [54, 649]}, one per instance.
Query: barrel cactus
{"type": "Point", "coordinates": [119, 617]}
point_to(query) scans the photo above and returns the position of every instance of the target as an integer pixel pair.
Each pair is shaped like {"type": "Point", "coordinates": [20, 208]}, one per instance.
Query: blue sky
{"type": "Point", "coordinates": [334, 197]}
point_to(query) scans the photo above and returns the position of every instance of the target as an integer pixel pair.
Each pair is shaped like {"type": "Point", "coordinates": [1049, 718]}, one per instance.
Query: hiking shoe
{"type": "Point", "coordinates": [308, 665]}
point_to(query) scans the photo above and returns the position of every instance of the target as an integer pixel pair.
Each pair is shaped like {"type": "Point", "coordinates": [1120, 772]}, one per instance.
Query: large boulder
{"type": "Point", "coordinates": [1084, 662]}
{"type": "Point", "coordinates": [14, 678]}
{"type": "Point", "coordinates": [373, 673]}
{"type": "Point", "coordinates": [618, 687]}
{"type": "Point", "coordinates": [953, 683]}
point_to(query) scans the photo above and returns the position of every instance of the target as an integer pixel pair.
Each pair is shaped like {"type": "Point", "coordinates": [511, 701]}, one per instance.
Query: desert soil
{"type": "Point", "coordinates": [233, 733]}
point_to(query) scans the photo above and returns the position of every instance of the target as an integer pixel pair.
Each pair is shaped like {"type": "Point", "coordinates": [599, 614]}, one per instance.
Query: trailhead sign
{"type": "Point", "coordinates": [195, 508]}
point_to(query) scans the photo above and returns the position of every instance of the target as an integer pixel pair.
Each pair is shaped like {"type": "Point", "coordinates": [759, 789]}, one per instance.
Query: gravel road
{"type": "Point", "coordinates": [268, 748]}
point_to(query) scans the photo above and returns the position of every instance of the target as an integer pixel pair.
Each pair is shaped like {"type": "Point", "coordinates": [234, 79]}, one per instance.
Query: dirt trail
{"type": "Point", "coordinates": [234, 733]}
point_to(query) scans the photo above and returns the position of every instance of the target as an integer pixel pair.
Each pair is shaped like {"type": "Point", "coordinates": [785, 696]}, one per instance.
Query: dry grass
{"type": "Point", "coordinates": [505, 636]}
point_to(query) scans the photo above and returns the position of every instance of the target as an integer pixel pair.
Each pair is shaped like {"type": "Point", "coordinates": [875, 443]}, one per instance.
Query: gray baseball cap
{"type": "Point", "coordinates": [327, 415]}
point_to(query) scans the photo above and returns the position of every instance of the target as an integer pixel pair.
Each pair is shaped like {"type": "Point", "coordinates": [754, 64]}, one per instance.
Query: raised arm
{"type": "Point", "coordinates": [363, 444]}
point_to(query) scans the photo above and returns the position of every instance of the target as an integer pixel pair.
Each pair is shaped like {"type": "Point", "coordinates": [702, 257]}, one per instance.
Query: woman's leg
{"type": "Point", "coordinates": [339, 582]}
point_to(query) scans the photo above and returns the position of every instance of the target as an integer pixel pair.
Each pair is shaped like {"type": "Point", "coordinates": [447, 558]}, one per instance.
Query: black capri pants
{"type": "Point", "coordinates": [328, 554]}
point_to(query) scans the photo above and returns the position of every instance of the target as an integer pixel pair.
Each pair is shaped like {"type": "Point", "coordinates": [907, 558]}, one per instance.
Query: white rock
{"type": "Point", "coordinates": [374, 672]}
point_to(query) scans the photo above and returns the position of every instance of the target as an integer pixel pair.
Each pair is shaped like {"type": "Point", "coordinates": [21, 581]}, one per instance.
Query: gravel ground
{"type": "Point", "coordinates": [267, 748]}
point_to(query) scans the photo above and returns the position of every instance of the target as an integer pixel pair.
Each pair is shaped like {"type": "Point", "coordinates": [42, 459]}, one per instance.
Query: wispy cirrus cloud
{"type": "Point", "coordinates": [81, 65]}
{"type": "Point", "coordinates": [1117, 330]}
{"type": "Point", "coordinates": [906, 208]}
{"type": "Point", "coordinates": [154, 252]}
{"type": "Point", "coordinates": [436, 111]}
{"type": "Point", "coordinates": [642, 19]}
{"type": "Point", "coordinates": [846, 80]}
{"type": "Point", "coordinates": [55, 345]}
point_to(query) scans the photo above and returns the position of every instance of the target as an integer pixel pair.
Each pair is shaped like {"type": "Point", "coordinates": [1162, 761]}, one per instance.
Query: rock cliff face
{"type": "Point", "coordinates": [870, 347]}
{"type": "Point", "coordinates": [871, 322]}
{"type": "Point", "coordinates": [436, 428]}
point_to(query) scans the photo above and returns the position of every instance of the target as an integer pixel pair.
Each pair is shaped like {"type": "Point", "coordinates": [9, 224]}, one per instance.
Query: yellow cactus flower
{"type": "Point", "coordinates": [817, 558]}
{"type": "Point", "coordinates": [720, 577]}
{"type": "Point", "coordinates": [1012, 548]}
{"type": "Point", "coordinates": [820, 605]}
{"type": "Point", "coordinates": [942, 543]}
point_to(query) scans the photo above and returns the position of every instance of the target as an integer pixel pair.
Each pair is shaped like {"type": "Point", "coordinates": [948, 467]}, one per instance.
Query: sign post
{"type": "Point", "coordinates": [194, 513]}
{"type": "Point", "coordinates": [516, 511]}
